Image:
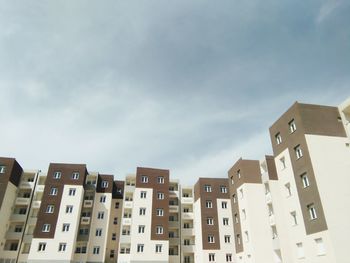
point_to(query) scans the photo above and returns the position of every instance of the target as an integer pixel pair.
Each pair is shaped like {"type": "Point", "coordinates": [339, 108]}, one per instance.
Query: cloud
{"type": "Point", "coordinates": [327, 8]}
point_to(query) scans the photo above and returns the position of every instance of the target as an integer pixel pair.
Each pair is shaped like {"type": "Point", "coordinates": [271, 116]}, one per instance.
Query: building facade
{"type": "Point", "coordinates": [291, 206]}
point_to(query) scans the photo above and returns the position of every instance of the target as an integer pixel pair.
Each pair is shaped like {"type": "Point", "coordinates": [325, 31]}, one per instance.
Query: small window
{"type": "Point", "coordinates": [116, 205]}
{"type": "Point", "coordinates": [53, 191]}
{"type": "Point", "coordinates": [144, 179]}
{"type": "Point", "coordinates": [232, 181]}
{"type": "Point", "coordinates": [228, 257]}
{"type": "Point", "coordinates": [102, 199]}
{"type": "Point", "coordinates": [187, 242]}
{"type": "Point", "coordinates": [238, 238]}
{"type": "Point", "coordinates": [75, 176]}
{"type": "Point", "coordinates": [210, 221]}
{"type": "Point", "coordinates": [141, 229]}
{"type": "Point", "coordinates": [158, 248]}
{"type": "Point", "coordinates": [100, 215]}
{"type": "Point", "coordinates": [227, 239]}
{"type": "Point", "coordinates": [236, 218]}
{"type": "Point", "coordinates": [298, 151]}
{"type": "Point", "coordinates": [207, 188]}
{"type": "Point", "coordinates": [294, 218]}
{"type": "Point", "coordinates": [50, 209]}
{"type": "Point", "coordinates": [211, 257]}
{"type": "Point", "coordinates": [142, 211]}
{"type": "Point", "coordinates": [225, 221]}
{"type": "Point", "coordinates": [305, 180]}
{"type": "Point", "coordinates": [223, 189]}
{"type": "Point", "coordinates": [57, 175]}
{"type": "Point", "coordinates": [239, 174]}
{"type": "Point", "coordinates": [115, 221]}
{"type": "Point", "coordinates": [288, 191]}
{"type": "Point", "coordinates": [246, 236]}
{"type": "Point", "coordinates": [224, 205]}
{"type": "Point", "coordinates": [69, 209]}
{"type": "Point", "coordinates": [160, 196]}
{"type": "Point", "coordinates": [111, 254]}
{"type": "Point", "coordinates": [42, 246]}
{"type": "Point", "coordinates": [321, 250]}
{"type": "Point", "coordinates": [96, 250]}
{"type": "Point", "coordinates": [62, 247]}
{"type": "Point", "coordinates": [312, 211]}
{"type": "Point", "coordinates": [159, 230]}
{"type": "Point", "coordinates": [211, 239]}
{"type": "Point", "coordinates": [140, 248]}
{"type": "Point", "coordinates": [209, 204]}
{"type": "Point", "coordinates": [104, 184]}
{"type": "Point", "coordinates": [244, 215]}
{"type": "Point", "coordinates": [65, 227]}
{"type": "Point", "coordinates": [2, 169]}
{"type": "Point", "coordinates": [160, 212]}
{"type": "Point", "coordinates": [160, 180]}
{"type": "Point", "coordinates": [98, 232]}
{"type": "Point", "coordinates": [72, 191]}
{"type": "Point", "coordinates": [283, 163]}
{"type": "Point", "coordinates": [292, 126]}
{"type": "Point", "coordinates": [278, 138]}
{"type": "Point", "coordinates": [300, 250]}
{"type": "Point", "coordinates": [143, 194]}
{"type": "Point", "coordinates": [234, 198]}
{"type": "Point", "coordinates": [46, 228]}
{"type": "Point", "coordinates": [241, 193]}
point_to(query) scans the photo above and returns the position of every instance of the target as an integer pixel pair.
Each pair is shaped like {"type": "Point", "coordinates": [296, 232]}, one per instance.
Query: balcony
{"type": "Point", "coordinates": [188, 249]}
{"type": "Point", "coordinates": [85, 220]}
{"type": "Point", "coordinates": [188, 232]}
{"type": "Point", "coordinates": [26, 185]}
{"type": "Point", "coordinates": [129, 188]}
{"type": "Point", "coordinates": [11, 235]}
{"type": "Point", "coordinates": [18, 217]}
{"type": "Point", "coordinates": [173, 208]}
{"type": "Point", "coordinates": [27, 238]}
{"type": "Point", "coordinates": [22, 201]}
{"type": "Point", "coordinates": [40, 188]}
{"type": "Point", "coordinates": [174, 240]}
{"type": "Point", "coordinates": [174, 224]}
{"type": "Point", "coordinates": [126, 221]}
{"type": "Point", "coordinates": [32, 220]}
{"type": "Point", "coordinates": [187, 200]}
{"type": "Point", "coordinates": [187, 215]}
{"type": "Point", "coordinates": [88, 203]}
{"type": "Point", "coordinates": [36, 204]}
{"type": "Point", "coordinates": [125, 239]}
{"type": "Point", "coordinates": [128, 204]}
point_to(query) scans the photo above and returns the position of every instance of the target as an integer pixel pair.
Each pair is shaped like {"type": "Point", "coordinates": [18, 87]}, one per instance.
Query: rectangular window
{"type": "Point", "coordinates": [298, 151]}
{"type": "Point", "coordinates": [244, 215]}
{"type": "Point", "coordinates": [103, 199]}
{"type": "Point", "coordinates": [141, 229]}
{"type": "Point", "coordinates": [234, 198]}
{"type": "Point", "coordinates": [143, 194]}
{"type": "Point", "coordinates": [115, 221]}
{"type": "Point", "coordinates": [53, 191]}
{"type": "Point", "coordinates": [228, 257]}
{"type": "Point", "coordinates": [238, 174]}
{"type": "Point", "coordinates": [104, 184]}
{"type": "Point", "coordinates": [207, 188]}
{"type": "Point", "coordinates": [186, 242]}
{"type": "Point", "coordinates": [208, 204]}
{"type": "Point", "coordinates": [312, 211]}
{"type": "Point", "coordinates": [42, 246]}
{"type": "Point", "coordinates": [294, 218]}
{"type": "Point", "coordinates": [283, 163]}
{"type": "Point", "coordinates": [321, 250]}
{"type": "Point", "coordinates": [211, 257]}
{"type": "Point", "coordinates": [140, 248]}
{"type": "Point", "coordinates": [238, 238]}
{"type": "Point", "coordinates": [160, 180]}
{"type": "Point", "coordinates": [111, 254]}
{"type": "Point", "coordinates": [57, 175]}
{"type": "Point", "coordinates": [246, 235]}
{"type": "Point", "coordinates": [62, 247]}
{"type": "Point", "coordinates": [116, 206]}
{"type": "Point", "coordinates": [159, 230]}
{"type": "Point", "coordinates": [300, 250]}
{"type": "Point", "coordinates": [210, 221]}
{"type": "Point", "coordinates": [160, 212]}
{"type": "Point", "coordinates": [96, 250]}
{"type": "Point", "coordinates": [158, 248]}
{"type": "Point", "coordinates": [100, 215]}
{"type": "Point", "coordinates": [114, 236]}
{"type": "Point", "coordinates": [50, 209]}
{"type": "Point", "coordinates": [98, 232]}
{"type": "Point", "coordinates": [278, 138]}
{"type": "Point", "coordinates": [227, 239]}
{"type": "Point", "coordinates": [142, 211]}
{"type": "Point", "coordinates": [236, 218]}
{"type": "Point", "coordinates": [75, 176]}
{"type": "Point", "coordinates": [69, 209]}
{"type": "Point", "coordinates": [2, 169]}
{"type": "Point", "coordinates": [144, 179]}
{"type": "Point", "coordinates": [292, 126]}
{"type": "Point", "coordinates": [211, 239]}
{"type": "Point", "coordinates": [71, 191]}
{"type": "Point", "coordinates": [224, 205]}
{"type": "Point", "coordinates": [46, 228]}
{"type": "Point", "coordinates": [241, 193]}
{"type": "Point", "coordinates": [223, 189]}
{"type": "Point", "coordinates": [225, 221]}
{"type": "Point", "coordinates": [160, 196]}
{"type": "Point", "coordinates": [65, 228]}
{"type": "Point", "coordinates": [288, 191]}
{"type": "Point", "coordinates": [305, 180]}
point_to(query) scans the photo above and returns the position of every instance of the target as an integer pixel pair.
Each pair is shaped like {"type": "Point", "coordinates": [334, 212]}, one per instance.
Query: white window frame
{"type": "Point", "coordinates": [207, 188]}
{"type": "Point", "coordinates": [223, 189]}
{"type": "Point", "coordinates": [158, 248]}
{"type": "Point", "coordinates": [298, 151]}
{"type": "Point", "coordinates": [96, 250]}
{"type": "Point", "coordinates": [278, 138]}
{"type": "Point", "coordinates": [142, 211]}
{"type": "Point", "coordinates": [140, 248]}
{"type": "Point", "coordinates": [225, 221]}
{"type": "Point", "coordinates": [211, 239]}
{"type": "Point", "coordinates": [72, 191]}
{"type": "Point", "coordinates": [104, 184]}
{"type": "Point", "coordinates": [143, 194]}
{"type": "Point", "coordinates": [2, 169]}
{"type": "Point", "coordinates": [321, 250]}
{"type": "Point", "coordinates": [227, 239]}
{"type": "Point", "coordinates": [41, 246]}
{"type": "Point", "coordinates": [98, 232]}
{"type": "Point", "coordinates": [211, 257]}
{"type": "Point", "coordinates": [75, 175]}
{"type": "Point", "coordinates": [65, 227]}
{"type": "Point", "coordinates": [208, 204]}
{"type": "Point", "coordinates": [50, 209]}
{"type": "Point", "coordinates": [141, 229]}
{"type": "Point", "coordinates": [69, 209]}
{"type": "Point", "coordinates": [239, 174]}
{"type": "Point", "coordinates": [100, 215]}
{"type": "Point", "coordinates": [312, 211]}
{"type": "Point", "coordinates": [53, 191]}
{"type": "Point", "coordinates": [228, 257]}
{"type": "Point", "coordinates": [292, 126]}
{"type": "Point", "coordinates": [160, 196]}
{"type": "Point", "coordinates": [305, 180]}
{"type": "Point", "coordinates": [62, 247]}
{"type": "Point", "coordinates": [144, 179]}
{"type": "Point", "coordinates": [210, 221]}
{"type": "Point", "coordinates": [224, 205]}
{"type": "Point", "coordinates": [57, 175]}
{"type": "Point", "coordinates": [46, 228]}
{"type": "Point", "coordinates": [160, 212]}
{"type": "Point", "coordinates": [159, 230]}
{"type": "Point", "coordinates": [160, 179]}
{"type": "Point", "coordinates": [102, 199]}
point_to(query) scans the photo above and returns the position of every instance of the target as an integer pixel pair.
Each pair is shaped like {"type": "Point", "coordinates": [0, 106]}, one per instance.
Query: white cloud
{"type": "Point", "coordinates": [326, 9]}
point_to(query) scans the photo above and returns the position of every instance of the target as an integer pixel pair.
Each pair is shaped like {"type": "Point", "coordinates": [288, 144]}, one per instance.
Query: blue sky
{"type": "Point", "coordinates": [190, 86]}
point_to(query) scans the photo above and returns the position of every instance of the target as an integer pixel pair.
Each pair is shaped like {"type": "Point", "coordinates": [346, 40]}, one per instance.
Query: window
{"type": "Point", "coordinates": [234, 198]}
{"type": "Point", "coordinates": [158, 248]}
{"type": "Point", "coordinates": [111, 254]}
{"type": "Point", "coordinates": [207, 188]}
{"type": "Point", "coordinates": [208, 204]}
{"type": "Point", "coordinates": [140, 248]}
{"type": "Point", "coordinates": [160, 212]}
{"type": "Point", "coordinates": [187, 259]}
{"type": "Point", "coordinates": [42, 246]}
{"type": "Point", "coordinates": [96, 250]}
{"type": "Point", "coordinates": [104, 184]}
{"type": "Point", "coordinates": [62, 247]}
{"type": "Point", "coordinates": [116, 205]}
{"type": "Point", "coordinates": [232, 181]}
{"type": "Point", "coordinates": [305, 180]}
{"type": "Point", "coordinates": [103, 199]}
{"type": "Point", "coordinates": [141, 229]}
{"type": "Point", "coordinates": [241, 193]}
{"type": "Point", "coordinates": [159, 230]}
{"type": "Point", "coordinates": [278, 138]}
{"type": "Point", "coordinates": [292, 126]}
{"type": "Point", "coordinates": [98, 232]}
{"type": "Point", "coordinates": [72, 191]}
{"type": "Point", "coordinates": [100, 215]}
{"type": "Point", "coordinates": [144, 179]}
{"type": "Point", "coordinates": [228, 257]}
{"type": "Point", "coordinates": [210, 221]}
{"type": "Point", "coordinates": [143, 194]}
{"type": "Point", "coordinates": [244, 215]}
{"type": "Point", "coordinates": [294, 218]}
{"type": "Point", "coordinates": [114, 236]}
{"type": "Point", "coordinates": [186, 242]}
{"type": "Point", "coordinates": [160, 180]}
{"type": "Point", "coordinates": [225, 221]}
{"type": "Point", "coordinates": [283, 163]}
{"type": "Point", "coordinates": [160, 196]}
{"type": "Point", "coordinates": [298, 151]}
{"type": "Point", "coordinates": [83, 231]}
{"type": "Point", "coordinates": [312, 211]}
{"type": "Point", "coordinates": [2, 169]}
{"type": "Point", "coordinates": [50, 209]}
{"type": "Point", "coordinates": [53, 191]}
{"type": "Point", "coordinates": [238, 174]}
{"type": "Point", "coordinates": [321, 250]}
{"type": "Point", "coordinates": [69, 209]}
{"type": "Point", "coordinates": [187, 225]}
{"type": "Point", "coordinates": [46, 228]}
{"type": "Point", "coordinates": [236, 218]}
{"type": "Point", "coordinates": [223, 189]}
{"type": "Point", "coordinates": [211, 239]}
{"type": "Point", "coordinates": [142, 211]}
{"type": "Point", "coordinates": [287, 188]}
{"type": "Point", "coordinates": [224, 205]}
{"type": "Point", "coordinates": [238, 238]}
{"type": "Point", "coordinates": [57, 175]}
{"type": "Point", "coordinates": [300, 250]}
{"type": "Point", "coordinates": [75, 176]}
{"type": "Point", "coordinates": [211, 257]}
{"type": "Point", "coordinates": [115, 221]}
{"type": "Point", "coordinates": [227, 239]}
{"type": "Point", "coordinates": [65, 228]}
{"type": "Point", "coordinates": [246, 235]}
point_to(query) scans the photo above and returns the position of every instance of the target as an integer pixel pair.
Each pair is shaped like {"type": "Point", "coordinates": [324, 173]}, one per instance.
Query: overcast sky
{"type": "Point", "coordinates": [189, 86]}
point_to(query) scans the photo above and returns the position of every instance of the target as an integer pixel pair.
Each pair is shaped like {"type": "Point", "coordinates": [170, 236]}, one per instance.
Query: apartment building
{"type": "Point", "coordinates": [289, 207]}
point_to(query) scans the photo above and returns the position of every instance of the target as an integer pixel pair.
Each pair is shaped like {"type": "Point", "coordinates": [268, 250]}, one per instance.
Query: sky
{"type": "Point", "coordinates": [189, 86]}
